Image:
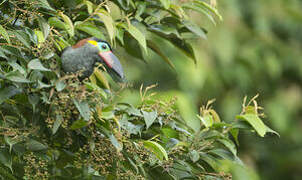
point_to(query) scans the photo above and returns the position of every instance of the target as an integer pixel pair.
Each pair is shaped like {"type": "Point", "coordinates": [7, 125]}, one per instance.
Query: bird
{"type": "Point", "coordinates": [86, 54]}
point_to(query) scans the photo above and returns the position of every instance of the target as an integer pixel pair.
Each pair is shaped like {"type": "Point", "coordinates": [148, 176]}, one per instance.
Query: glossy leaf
{"type": "Point", "coordinates": [83, 108]}
{"type": "Point", "coordinates": [34, 145]}
{"type": "Point", "coordinates": [194, 156]}
{"type": "Point", "coordinates": [44, 26]}
{"type": "Point", "coordinates": [229, 144]}
{"type": "Point", "coordinates": [195, 29]}
{"type": "Point", "coordinates": [166, 3]}
{"type": "Point", "coordinates": [109, 24]}
{"type": "Point", "coordinates": [44, 4]}
{"type": "Point", "coordinates": [209, 7]}
{"type": "Point", "coordinates": [16, 76]}
{"type": "Point", "coordinates": [4, 34]}
{"type": "Point", "coordinates": [56, 22]}
{"type": "Point", "coordinates": [156, 49]}
{"type": "Point", "coordinates": [90, 29]}
{"type": "Point", "coordinates": [149, 118]}
{"type": "Point", "coordinates": [35, 64]}
{"type": "Point", "coordinates": [255, 122]}
{"type": "Point", "coordinates": [23, 38]}
{"type": "Point", "coordinates": [138, 35]}
{"type": "Point", "coordinates": [8, 92]}
{"type": "Point", "coordinates": [157, 149]}
{"type": "Point", "coordinates": [68, 24]}
{"type": "Point", "coordinates": [6, 158]}
{"type": "Point", "coordinates": [57, 124]}
{"type": "Point", "coordinates": [207, 120]}
{"type": "Point", "coordinates": [78, 124]}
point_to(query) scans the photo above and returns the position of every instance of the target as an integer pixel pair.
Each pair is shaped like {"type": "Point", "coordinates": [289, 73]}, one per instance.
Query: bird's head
{"type": "Point", "coordinates": [107, 58]}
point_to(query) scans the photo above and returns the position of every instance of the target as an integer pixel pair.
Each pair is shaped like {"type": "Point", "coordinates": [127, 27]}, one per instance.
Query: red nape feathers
{"type": "Point", "coordinates": [80, 43]}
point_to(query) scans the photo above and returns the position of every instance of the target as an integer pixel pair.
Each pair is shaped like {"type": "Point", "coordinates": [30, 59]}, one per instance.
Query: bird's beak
{"type": "Point", "coordinates": [113, 63]}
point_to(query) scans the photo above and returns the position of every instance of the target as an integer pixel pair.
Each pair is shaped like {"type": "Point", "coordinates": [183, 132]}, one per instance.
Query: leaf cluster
{"type": "Point", "coordinates": [55, 127]}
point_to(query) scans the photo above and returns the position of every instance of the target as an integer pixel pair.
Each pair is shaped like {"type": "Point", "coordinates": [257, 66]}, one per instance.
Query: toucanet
{"type": "Point", "coordinates": [85, 55]}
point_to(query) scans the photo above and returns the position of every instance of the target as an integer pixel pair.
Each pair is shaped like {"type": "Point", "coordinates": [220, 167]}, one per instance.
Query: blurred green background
{"type": "Point", "coordinates": [257, 49]}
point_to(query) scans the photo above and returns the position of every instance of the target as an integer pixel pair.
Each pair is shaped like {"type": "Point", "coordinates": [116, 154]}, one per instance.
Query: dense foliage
{"type": "Point", "coordinates": [55, 127]}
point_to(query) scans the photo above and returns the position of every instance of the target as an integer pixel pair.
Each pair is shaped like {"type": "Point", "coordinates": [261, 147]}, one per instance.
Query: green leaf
{"type": "Point", "coordinates": [44, 27]}
{"type": "Point", "coordinates": [90, 29]}
{"type": "Point", "coordinates": [101, 78]}
{"type": "Point", "coordinates": [83, 108]}
{"type": "Point", "coordinates": [208, 7]}
{"type": "Point", "coordinates": [40, 37]}
{"type": "Point", "coordinates": [165, 30]}
{"type": "Point", "coordinates": [194, 156]}
{"type": "Point", "coordinates": [112, 138]}
{"type": "Point", "coordinates": [22, 37]}
{"type": "Point", "coordinates": [157, 149]}
{"type": "Point", "coordinates": [16, 76]}
{"type": "Point", "coordinates": [8, 92]}
{"type": "Point", "coordinates": [115, 142]}
{"type": "Point", "coordinates": [230, 145]}
{"type": "Point", "coordinates": [33, 99]}
{"type": "Point", "coordinates": [60, 85]}
{"type": "Point", "coordinates": [55, 22]}
{"type": "Point", "coordinates": [6, 159]}
{"type": "Point", "coordinates": [79, 124]}
{"type": "Point", "coordinates": [195, 29]}
{"type": "Point", "coordinates": [57, 123]}
{"type": "Point", "coordinates": [157, 50]}
{"type": "Point", "coordinates": [108, 22]}
{"type": "Point", "coordinates": [130, 127]}
{"type": "Point", "coordinates": [170, 133]}
{"type": "Point", "coordinates": [207, 120]}
{"type": "Point", "coordinates": [272, 131]}
{"type": "Point", "coordinates": [149, 118]}
{"type": "Point", "coordinates": [4, 33]}
{"type": "Point", "coordinates": [68, 24]}
{"type": "Point", "coordinates": [107, 113]}
{"type": "Point", "coordinates": [235, 132]}
{"type": "Point", "coordinates": [89, 6]}
{"type": "Point", "coordinates": [35, 64]}
{"type": "Point", "coordinates": [12, 141]}
{"type": "Point", "coordinates": [96, 88]}
{"type": "Point", "coordinates": [255, 122]}
{"type": "Point", "coordinates": [34, 145]}
{"type": "Point", "coordinates": [2, 55]}
{"type": "Point", "coordinates": [138, 35]}
{"type": "Point", "coordinates": [208, 159]}
{"type": "Point", "coordinates": [224, 154]}
{"type": "Point", "coordinates": [133, 165]}
{"type": "Point", "coordinates": [199, 9]}
{"type": "Point", "coordinates": [43, 4]}
{"type": "Point", "coordinates": [166, 3]}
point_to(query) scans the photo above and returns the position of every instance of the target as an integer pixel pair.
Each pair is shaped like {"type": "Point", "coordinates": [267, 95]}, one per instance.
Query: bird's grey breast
{"type": "Point", "coordinates": [82, 58]}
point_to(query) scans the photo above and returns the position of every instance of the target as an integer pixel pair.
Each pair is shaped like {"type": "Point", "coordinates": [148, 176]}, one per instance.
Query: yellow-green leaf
{"type": "Point", "coordinates": [210, 8]}
{"type": "Point", "coordinates": [55, 22]}
{"type": "Point", "coordinates": [100, 76]}
{"type": "Point", "coordinates": [89, 6]}
{"type": "Point", "coordinates": [4, 33]}
{"type": "Point", "coordinates": [68, 24]}
{"type": "Point", "coordinates": [157, 149]}
{"type": "Point", "coordinates": [156, 49]}
{"type": "Point", "coordinates": [138, 35]}
{"type": "Point", "coordinates": [90, 29]}
{"type": "Point", "coordinates": [108, 22]}
{"type": "Point", "coordinates": [255, 122]}
{"type": "Point", "coordinates": [166, 3]}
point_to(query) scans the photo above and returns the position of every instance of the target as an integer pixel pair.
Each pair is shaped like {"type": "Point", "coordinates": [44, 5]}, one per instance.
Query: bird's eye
{"type": "Point", "coordinates": [104, 46]}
